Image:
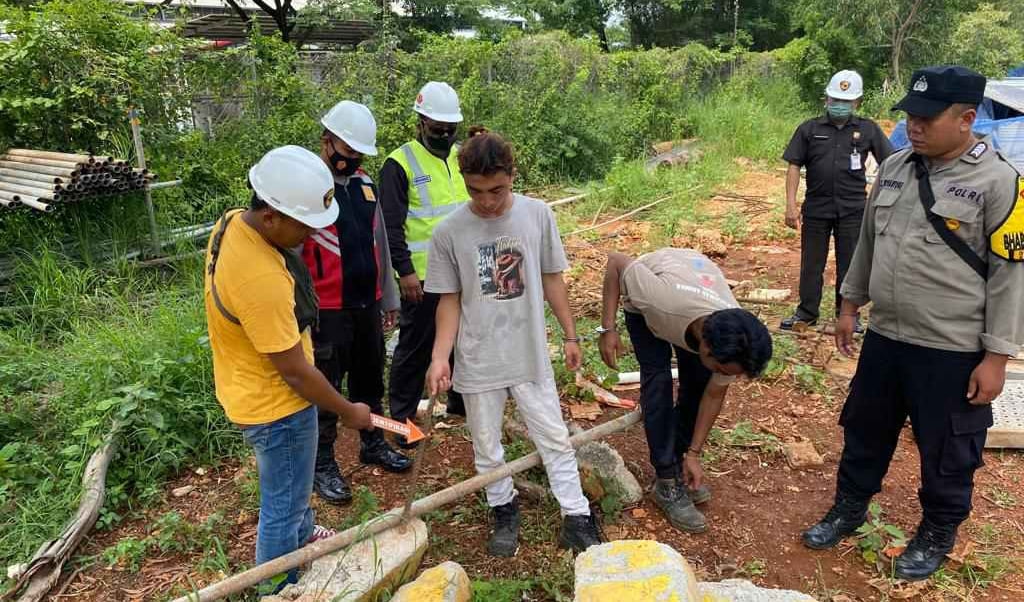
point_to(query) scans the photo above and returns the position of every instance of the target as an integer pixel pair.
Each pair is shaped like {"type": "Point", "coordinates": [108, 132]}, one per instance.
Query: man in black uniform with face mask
{"type": "Point", "coordinates": [420, 186]}
{"type": "Point", "coordinates": [833, 149]}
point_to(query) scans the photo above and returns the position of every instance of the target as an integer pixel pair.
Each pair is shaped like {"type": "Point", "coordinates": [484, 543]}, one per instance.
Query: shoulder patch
{"type": "Point", "coordinates": [1008, 239]}
{"type": "Point", "coordinates": [978, 150]}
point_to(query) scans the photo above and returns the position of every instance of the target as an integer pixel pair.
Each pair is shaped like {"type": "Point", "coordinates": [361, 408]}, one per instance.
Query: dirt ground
{"type": "Point", "coordinates": [759, 507]}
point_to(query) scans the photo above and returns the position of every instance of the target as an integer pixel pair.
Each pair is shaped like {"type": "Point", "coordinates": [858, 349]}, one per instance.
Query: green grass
{"type": "Point", "coordinates": [86, 348]}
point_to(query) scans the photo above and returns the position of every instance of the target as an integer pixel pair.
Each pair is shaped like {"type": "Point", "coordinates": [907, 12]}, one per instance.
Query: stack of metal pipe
{"type": "Point", "coordinates": [36, 179]}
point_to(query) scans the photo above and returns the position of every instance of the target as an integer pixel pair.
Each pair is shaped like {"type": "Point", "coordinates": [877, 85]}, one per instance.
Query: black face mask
{"type": "Point", "coordinates": [439, 144]}
{"type": "Point", "coordinates": [348, 164]}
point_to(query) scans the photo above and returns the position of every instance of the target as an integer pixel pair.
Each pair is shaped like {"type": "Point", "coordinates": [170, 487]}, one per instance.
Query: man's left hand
{"type": "Point", "coordinates": [390, 318]}
{"type": "Point", "coordinates": [693, 474]}
{"type": "Point", "coordinates": [987, 380]}
{"type": "Point", "coordinates": [573, 356]}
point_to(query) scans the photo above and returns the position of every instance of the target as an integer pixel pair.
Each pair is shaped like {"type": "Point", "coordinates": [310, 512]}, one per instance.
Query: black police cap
{"type": "Point", "coordinates": [933, 89]}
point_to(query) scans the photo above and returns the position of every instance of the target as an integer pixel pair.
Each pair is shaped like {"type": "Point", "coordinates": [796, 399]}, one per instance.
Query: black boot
{"type": "Point", "coordinates": [670, 495]}
{"type": "Point", "coordinates": [579, 533]}
{"type": "Point", "coordinates": [375, 450]}
{"type": "Point", "coordinates": [504, 539]}
{"type": "Point", "coordinates": [926, 551]}
{"type": "Point", "coordinates": [330, 485]}
{"type": "Point", "coordinates": [842, 519]}
{"type": "Point", "coordinates": [791, 322]}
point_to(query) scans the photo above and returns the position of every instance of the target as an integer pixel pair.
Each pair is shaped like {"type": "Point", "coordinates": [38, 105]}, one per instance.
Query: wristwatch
{"type": "Point", "coordinates": [602, 330]}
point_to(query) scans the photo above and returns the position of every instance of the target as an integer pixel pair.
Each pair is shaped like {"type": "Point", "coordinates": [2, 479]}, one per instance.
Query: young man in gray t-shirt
{"type": "Point", "coordinates": [494, 261]}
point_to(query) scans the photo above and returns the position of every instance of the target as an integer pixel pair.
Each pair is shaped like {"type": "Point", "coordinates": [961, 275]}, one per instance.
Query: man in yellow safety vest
{"type": "Point", "coordinates": [420, 184]}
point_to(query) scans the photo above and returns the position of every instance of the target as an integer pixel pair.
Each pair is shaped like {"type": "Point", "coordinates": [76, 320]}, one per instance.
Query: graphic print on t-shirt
{"type": "Point", "coordinates": [500, 266]}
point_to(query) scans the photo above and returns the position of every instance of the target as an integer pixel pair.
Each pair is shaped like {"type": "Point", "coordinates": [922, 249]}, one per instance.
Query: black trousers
{"type": "Point", "coordinates": [350, 343]}
{"type": "Point", "coordinates": [895, 380]}
{"type": "Point", "coordinates": [668, 424]}
{"type": "Point", "coordinates": [412, 358]}
{"type": "Point", "coordinates": [814, 238]}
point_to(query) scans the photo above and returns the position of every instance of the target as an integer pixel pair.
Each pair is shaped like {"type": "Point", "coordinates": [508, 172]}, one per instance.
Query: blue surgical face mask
{"type": "Point", "coordinates": [839, 109]}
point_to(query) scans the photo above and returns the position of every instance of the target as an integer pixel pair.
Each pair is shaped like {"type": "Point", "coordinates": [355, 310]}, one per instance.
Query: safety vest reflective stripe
{"type": "Point", "coordinates": [323, 241]}
{"type": "Point", "coordinates": [419, 179]}
{"type": "Point", "coordinates": [431, 212]}
{"type": "Point", "coordinates": [419, 247]}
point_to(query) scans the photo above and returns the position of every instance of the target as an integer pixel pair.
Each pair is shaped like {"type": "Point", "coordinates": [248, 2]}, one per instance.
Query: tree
{"type": "Point", "coordinates": [987, 41]}
{"type": "Point", "coordinates": [314, 13]}
{"type": "Point", "coordinates": [578, 17]}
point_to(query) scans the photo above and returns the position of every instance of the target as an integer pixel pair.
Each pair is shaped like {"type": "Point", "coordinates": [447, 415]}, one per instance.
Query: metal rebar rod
{"type": "Point", "coordinates": [44, 162]}
{"type": "Point", "coordinates": [31, 175]}
{"type": "Point", "coordinates": [36, 203]}
{"type": "Point", "coordinates": [29, 190]}
{"type": "Point", "coordinates": [167, 184]}
{"type": "Point", "coordinates": [43, 169]}
{"type": "Point", "coordinates": [282, 564]}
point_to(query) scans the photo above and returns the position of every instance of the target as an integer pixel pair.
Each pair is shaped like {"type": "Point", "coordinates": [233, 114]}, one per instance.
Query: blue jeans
{"type": "Point", "coordinates": [285, 454]}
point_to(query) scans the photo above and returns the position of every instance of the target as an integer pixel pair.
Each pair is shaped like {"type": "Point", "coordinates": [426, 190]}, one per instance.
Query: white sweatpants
{"type": "Point", "coordinates": [539, 408]}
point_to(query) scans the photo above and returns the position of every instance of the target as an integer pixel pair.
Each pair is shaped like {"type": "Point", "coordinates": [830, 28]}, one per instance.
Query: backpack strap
{"type": "Point", "coordinates": [214, 255]}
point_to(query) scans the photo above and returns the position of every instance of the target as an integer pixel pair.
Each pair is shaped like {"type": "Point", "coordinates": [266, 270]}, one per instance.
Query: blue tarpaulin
{"type": "Point", "coordinates": [1001, 115]}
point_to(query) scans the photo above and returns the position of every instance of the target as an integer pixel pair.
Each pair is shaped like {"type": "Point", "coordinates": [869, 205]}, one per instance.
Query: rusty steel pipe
{"type": "Point", "coordinates": [29, 190]}
{"type": "Point", "coordinates": [31, 183]}
{"type": "Point", "coordinates": [35, 203]}
{"type": "Point", "coordinates": [45, 162]}
{"type": "Point", "coordinates": [57, 156]}
{"type": "Point", "coordinates": [245, 579]}
{"type": "Point", "coordinates": [30, 175]}
{"type": "Point", "coordinates": [40, 169]}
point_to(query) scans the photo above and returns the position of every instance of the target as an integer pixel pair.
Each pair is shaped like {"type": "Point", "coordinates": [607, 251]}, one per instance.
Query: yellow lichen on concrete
{"type": "Point", "coordinates": [446, 582]}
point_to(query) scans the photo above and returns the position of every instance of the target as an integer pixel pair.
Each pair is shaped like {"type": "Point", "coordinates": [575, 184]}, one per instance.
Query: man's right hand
{"type": "Point", "coordinates": [357, 416]}
{"type": "Point", "coordinates": [844, 334]}
{"type": "Point", "coordinates": [792, 217]}
{"type": "Point", "coordinates": [611, 348]}
{"type": "Point", "coordinates": [412, 290]}
{"type": "Point", "coordinates": [439, 377]}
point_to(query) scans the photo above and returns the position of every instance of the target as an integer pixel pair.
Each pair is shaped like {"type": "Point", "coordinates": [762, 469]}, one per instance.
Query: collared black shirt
{"type": "Point", "coordinates": [833, 189]}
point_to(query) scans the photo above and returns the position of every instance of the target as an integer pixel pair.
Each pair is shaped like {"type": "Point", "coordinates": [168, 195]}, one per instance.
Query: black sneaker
{"type": "Point", "coordinates": [330, 485]}
{"type": "Point", "coordinates": [926, 552]}
{"type": "Point", "coordinates": [791, 322]}
{"type": "Point", "coordinates": [579, 533]}
{"type": "Point", "coordinates": [842, 519]}
{"type": "Point", "coordinates": [670, 495]}
{"type": "Point", "coordinates": [504, 539]}
{"type": "Point", "coordinates": [378, 452]}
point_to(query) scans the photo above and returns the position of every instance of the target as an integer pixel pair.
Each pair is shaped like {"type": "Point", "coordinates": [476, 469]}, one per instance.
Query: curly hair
{"type": "Point", "coordinates": [486, 153]}
{"type": "Point", "coordinates": [737, 336]}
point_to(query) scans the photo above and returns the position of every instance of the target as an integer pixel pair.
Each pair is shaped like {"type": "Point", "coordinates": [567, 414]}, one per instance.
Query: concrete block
{"type": "Point", "coordinates": [362, 571]}
{"type": "Point", "coordinates": [601, 460]}
{"type": "Point", "coordinates": [446, 582]}
{"type": "Point", "coordinates": [620, 571]}
{"type": "Point", "coordinates": [741, 590]}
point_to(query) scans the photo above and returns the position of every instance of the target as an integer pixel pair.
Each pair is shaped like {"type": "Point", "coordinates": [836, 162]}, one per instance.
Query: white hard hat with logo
{"type": "Point", "coordinates": [353, 123]}
{"type": "Point", "coordinates": [845, 85]}
{"type": "Point", "coordinates": [438, 101]}
{"type": "Point", "coordinates": [296, 182]}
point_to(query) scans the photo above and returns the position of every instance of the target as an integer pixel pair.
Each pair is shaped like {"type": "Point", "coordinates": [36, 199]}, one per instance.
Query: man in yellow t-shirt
{"type": "Point", "coordinates": [259, 309]}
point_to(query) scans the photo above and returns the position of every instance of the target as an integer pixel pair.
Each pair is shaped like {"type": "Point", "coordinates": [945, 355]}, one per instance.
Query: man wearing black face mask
{"type": "Point", "coordinates": [420, 185]}
{"type": "Point", "coordinates": [833, 149]}
{"type": "Point", "coordinates": [358, 298]}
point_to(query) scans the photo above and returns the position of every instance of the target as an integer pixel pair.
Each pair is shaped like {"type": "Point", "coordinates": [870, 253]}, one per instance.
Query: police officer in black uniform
{"type": "Point", "coordinates": [833, 148]}
{"type": "Point", "coordinates": [941, 258]}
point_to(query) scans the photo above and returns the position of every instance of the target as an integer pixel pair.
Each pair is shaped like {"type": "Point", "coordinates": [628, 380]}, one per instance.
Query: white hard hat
{"type": "Point", "coordinates": [353, 123]}
{"type": "Point", "coordinates": [296, 182]}
{"type": "Point", "coordinates": [438, 101]}
{"type": "Point", "coordinates": [845, 85]}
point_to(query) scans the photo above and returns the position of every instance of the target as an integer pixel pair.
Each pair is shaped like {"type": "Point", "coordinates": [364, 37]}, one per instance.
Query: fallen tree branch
{"type": "Point", "coordinates": [630, 213]}
{"type": "Point", "coordinates": [42, 572]}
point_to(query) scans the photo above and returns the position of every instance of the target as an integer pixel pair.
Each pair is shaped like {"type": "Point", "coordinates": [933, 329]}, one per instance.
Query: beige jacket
{"type": "Point", "coordinates": [922, 292]}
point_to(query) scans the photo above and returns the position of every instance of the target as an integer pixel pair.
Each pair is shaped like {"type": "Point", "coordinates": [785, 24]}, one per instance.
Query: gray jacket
{"type": "Point", "coordinates": [922, 292]}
